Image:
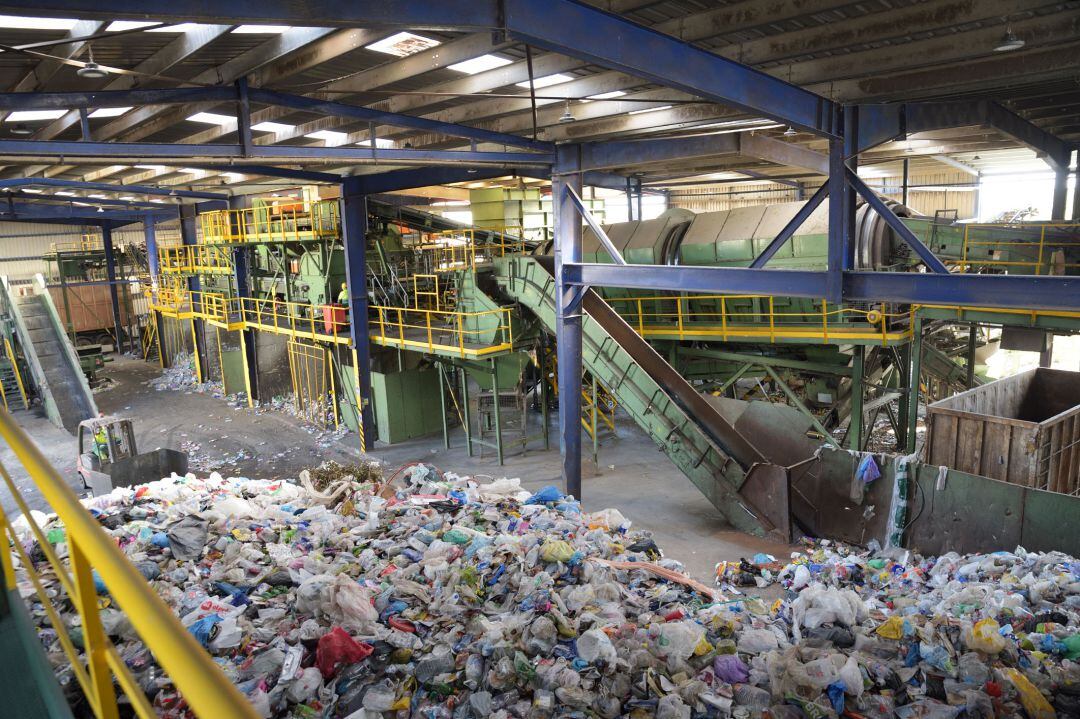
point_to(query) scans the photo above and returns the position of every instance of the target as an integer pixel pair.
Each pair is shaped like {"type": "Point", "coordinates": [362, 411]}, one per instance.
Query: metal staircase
{"type": "Point", "coordinates": [54, 365]}
{"type": "Point", "coordinates": [727, 468]}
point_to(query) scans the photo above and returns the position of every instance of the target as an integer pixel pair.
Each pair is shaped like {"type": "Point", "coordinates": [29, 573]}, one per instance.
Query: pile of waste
{"type": "Point", "coordinates": [441, 597]}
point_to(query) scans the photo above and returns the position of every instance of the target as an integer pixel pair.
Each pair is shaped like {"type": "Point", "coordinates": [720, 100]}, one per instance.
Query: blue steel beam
{"type": "Point", "coordinates": [563, 26]}
{"type": "Point", "coordinates": [882, 123]}
{"type": "Point", "coordinates": [608, 155]}
{"type": "Point", "coordinates": [905, 233]}
{"type": "Point", "coordinates": [377, 182]}
{"type": "Point", "coordinates": [288, 173]}
{"type": "Point", "coordinates": [576, 30]}
{"type": "Point", "coordinates": [1002, 291]}
{"type": "Point", "coordinates": [338, 109]}
{"type": "Point", "coordinates": [108, 187]}
{"type": "Point", "coordinates": [789, 229]}
{"type": "Point", "coordinates": [612, 251]}
{"type": "Point", "coordinates": [30, 211]}
{"type": "Point", "coordinates": [440, 15]}
{"type": "Point", "coordinates": [64, 150]}
{"type": "Point", "coordinates": [12, 101]}
{"type": "Point", "coordinates": [244, 96]}
{"type": "Point", "coordinates": [94, 202]}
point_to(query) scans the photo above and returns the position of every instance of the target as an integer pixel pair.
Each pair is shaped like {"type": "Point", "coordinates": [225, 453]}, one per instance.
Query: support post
{"type": "Point", "coordinates": [188, 237]}
{"type": "Point", "coordinates": [839, 234]}
{"type": "Point", "coordinates": [913, 378]}
{"type": "Point", "coordinates": [855, 425]}
{"type": "Point", "coordinates": [595, 438]}
{"type": "Point", "coordinates": [495, 409]}
{"type": "Point", "coordinates": [630, 200]}
{"type": "Point", "coordinates": [568, 314]}
{"type": "Point", "coordinates": [1046, 357]}
{"type": "Point", "coordinates": [442, 405]}
{"type": "Point", "coordinates": [110, 273]}
{"type": "Point", "coordinates": [905, 181]}
{"type": "Point", "coordinates": [465, 410]}
{"type": "Point", "coordinates": [903, 357]}
{"type": "Point", "coordinates": [973, 330]}
{"type": "Point", "coordinates": [354, 237]}
{"type": "Point", "coordinates": [541, 360]}
{"type": "Point", "coordinates": [152, 259]}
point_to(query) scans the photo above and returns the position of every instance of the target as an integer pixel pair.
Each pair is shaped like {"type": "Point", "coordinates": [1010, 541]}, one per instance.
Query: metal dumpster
{"type": "Point", "coordinates": [1023, 429]}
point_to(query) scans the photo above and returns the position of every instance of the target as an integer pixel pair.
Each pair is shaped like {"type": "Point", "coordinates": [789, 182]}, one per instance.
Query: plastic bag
{"type": "Point", "coordinates": [757, 641]}
{"type": "Point", "coordinates": [985, 637]}
{"type": "Point", "coordinates": [1034, 702]}
{"type": "Point", "coordinates": [187, 537]}
{"type": "Point", "coordinates": [595, 647]}
{"type": "Point", "coordinates": [335, 648]}
{"type": "Point", "coordinates": [556, 551]}
{"type": "Point", "coordinates": [891, 628]}
{"type": "Point", "coordinates": [731, 669]}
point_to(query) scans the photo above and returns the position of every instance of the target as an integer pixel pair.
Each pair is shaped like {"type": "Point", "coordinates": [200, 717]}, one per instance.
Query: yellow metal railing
{"type": "Point", "coordinates": [462, 333]}
{"type": "Point", "coordinates": [672, 317]}
{"type": "Point", "coordinates": [194, 259]}
{"type": "Point", "coordinates": [452, 250]}
{"type": "Point", "coordinates": [10, 353]}
{"type": "Point", "coordinates": [205, 688]}
{"type": "Point", "coordinates": [285, 222]}
{"type": "Point", "coordinates": [467, 334]}
{"type": "Point", "coordinates": [978, 237]}
{"type": "Point", "coordinates": [86, 243]}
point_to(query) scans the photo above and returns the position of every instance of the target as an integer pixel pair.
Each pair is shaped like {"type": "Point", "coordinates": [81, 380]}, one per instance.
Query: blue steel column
{"type": "Point", "coordinates": [110, 273]}
{"type": "Point", "coordinates": [568, 316]}
{"type": "Point", "coordinates": [838, 232]}
{"type": "Point", "coordinates": [188, 237]}
{"type": "Point", "coordinates": [152, 259]}
{"type": "Point", "coordinates": [354, 237]}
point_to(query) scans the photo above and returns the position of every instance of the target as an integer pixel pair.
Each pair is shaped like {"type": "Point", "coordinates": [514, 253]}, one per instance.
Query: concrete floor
{"type": "Point", "coordinates": [632, 474]}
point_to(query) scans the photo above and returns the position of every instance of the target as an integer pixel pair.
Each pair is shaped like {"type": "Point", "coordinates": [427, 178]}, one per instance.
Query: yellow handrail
{"type": "Point", "coordinates": [291, 222]}
{"type": "Point", "coordinates": [203, 685]}
{"type": "Point", "coordinates": [18, 375]}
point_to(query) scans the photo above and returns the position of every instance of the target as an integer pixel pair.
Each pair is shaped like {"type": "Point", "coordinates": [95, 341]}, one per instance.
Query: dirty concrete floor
{"type": "Point", "coordinates": [631, 473]}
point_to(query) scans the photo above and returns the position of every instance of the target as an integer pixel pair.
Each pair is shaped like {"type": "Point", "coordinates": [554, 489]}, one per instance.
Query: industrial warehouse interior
{"type": "Point", "coordinates": [540, 358]}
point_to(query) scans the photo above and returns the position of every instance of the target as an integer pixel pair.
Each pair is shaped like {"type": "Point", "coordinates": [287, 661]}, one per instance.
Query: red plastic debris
{"type": "Point", "coordinates": [336, 648]}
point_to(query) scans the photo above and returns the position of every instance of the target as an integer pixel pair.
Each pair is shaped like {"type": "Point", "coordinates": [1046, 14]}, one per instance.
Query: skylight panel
{"type": "Point", "coordinates": [403, 43]}
{"type": "Point", "coordinates": [121, 25]}
{"type": "Point", "coordinates": [479, 64]}
{"type": "Point", "coordinates": [276, 127]}
{"type": "Point", "coordinates": [19, 22]}
{"type": "Point", "coordinates": [261, 29]}
{"type": "Point", "coordinates": [546, 81]}
{"type": "Point", "coordinates": [607, 95]}
{"type": "Point", "coordinates": [34, 115]}
{"type": "Point", "coordinates": [329, 136]}
{"type": "Point", "coordinates": [212, 118]}
{"type": "Point", "coordinates": [109, 111]}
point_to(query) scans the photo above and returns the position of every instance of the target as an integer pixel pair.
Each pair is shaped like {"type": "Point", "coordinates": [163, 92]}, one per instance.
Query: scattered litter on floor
{"type": "Point", "coordinates": [435, 596]}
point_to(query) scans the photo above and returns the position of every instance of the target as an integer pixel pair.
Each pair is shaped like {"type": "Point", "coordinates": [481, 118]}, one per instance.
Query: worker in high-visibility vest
{"type": "Point", "coordinates": [101, 444]}
{"type": "Point", "coordinates": [343, 296]}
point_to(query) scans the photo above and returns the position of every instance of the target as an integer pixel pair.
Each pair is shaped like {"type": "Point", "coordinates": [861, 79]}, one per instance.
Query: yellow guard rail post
{"type": "Point", "coordinates": [202, 684]}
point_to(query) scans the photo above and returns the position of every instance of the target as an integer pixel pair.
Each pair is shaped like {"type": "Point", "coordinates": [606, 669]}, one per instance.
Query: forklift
{"type": "Point", "coordinates": [108, 457]}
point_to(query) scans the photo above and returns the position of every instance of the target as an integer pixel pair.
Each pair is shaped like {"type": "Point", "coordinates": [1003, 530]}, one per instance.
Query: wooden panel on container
{"type": "Point", "coordinates": [969, 441]}
{"type": "Point", "coordinates": [1024, 456]}
{"type": "Point", "coordinates": [995, 450]}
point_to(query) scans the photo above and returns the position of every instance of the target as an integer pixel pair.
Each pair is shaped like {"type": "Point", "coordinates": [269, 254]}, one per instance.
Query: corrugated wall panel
{"type": "Point", "coordinates": [928, 193]}
{"type": "Point", "coordinates": [22, 243]}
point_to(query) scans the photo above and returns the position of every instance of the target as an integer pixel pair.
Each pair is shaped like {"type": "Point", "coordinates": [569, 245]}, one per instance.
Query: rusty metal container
{"type": "Point", "coordinates": [1023, 429]}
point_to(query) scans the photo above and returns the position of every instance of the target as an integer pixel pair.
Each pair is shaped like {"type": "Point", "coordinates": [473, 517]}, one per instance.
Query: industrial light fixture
{"type": "Point", "coordinates": [21, 129]}
{"type": "Point", "coordinates": [566, 116]}
{"type": "Point", "coordinates": [1008, 42]}
{"type": "Point", "coordinates": [91, 70]}
{"type": "Point", "coordinates": [790, 132]}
